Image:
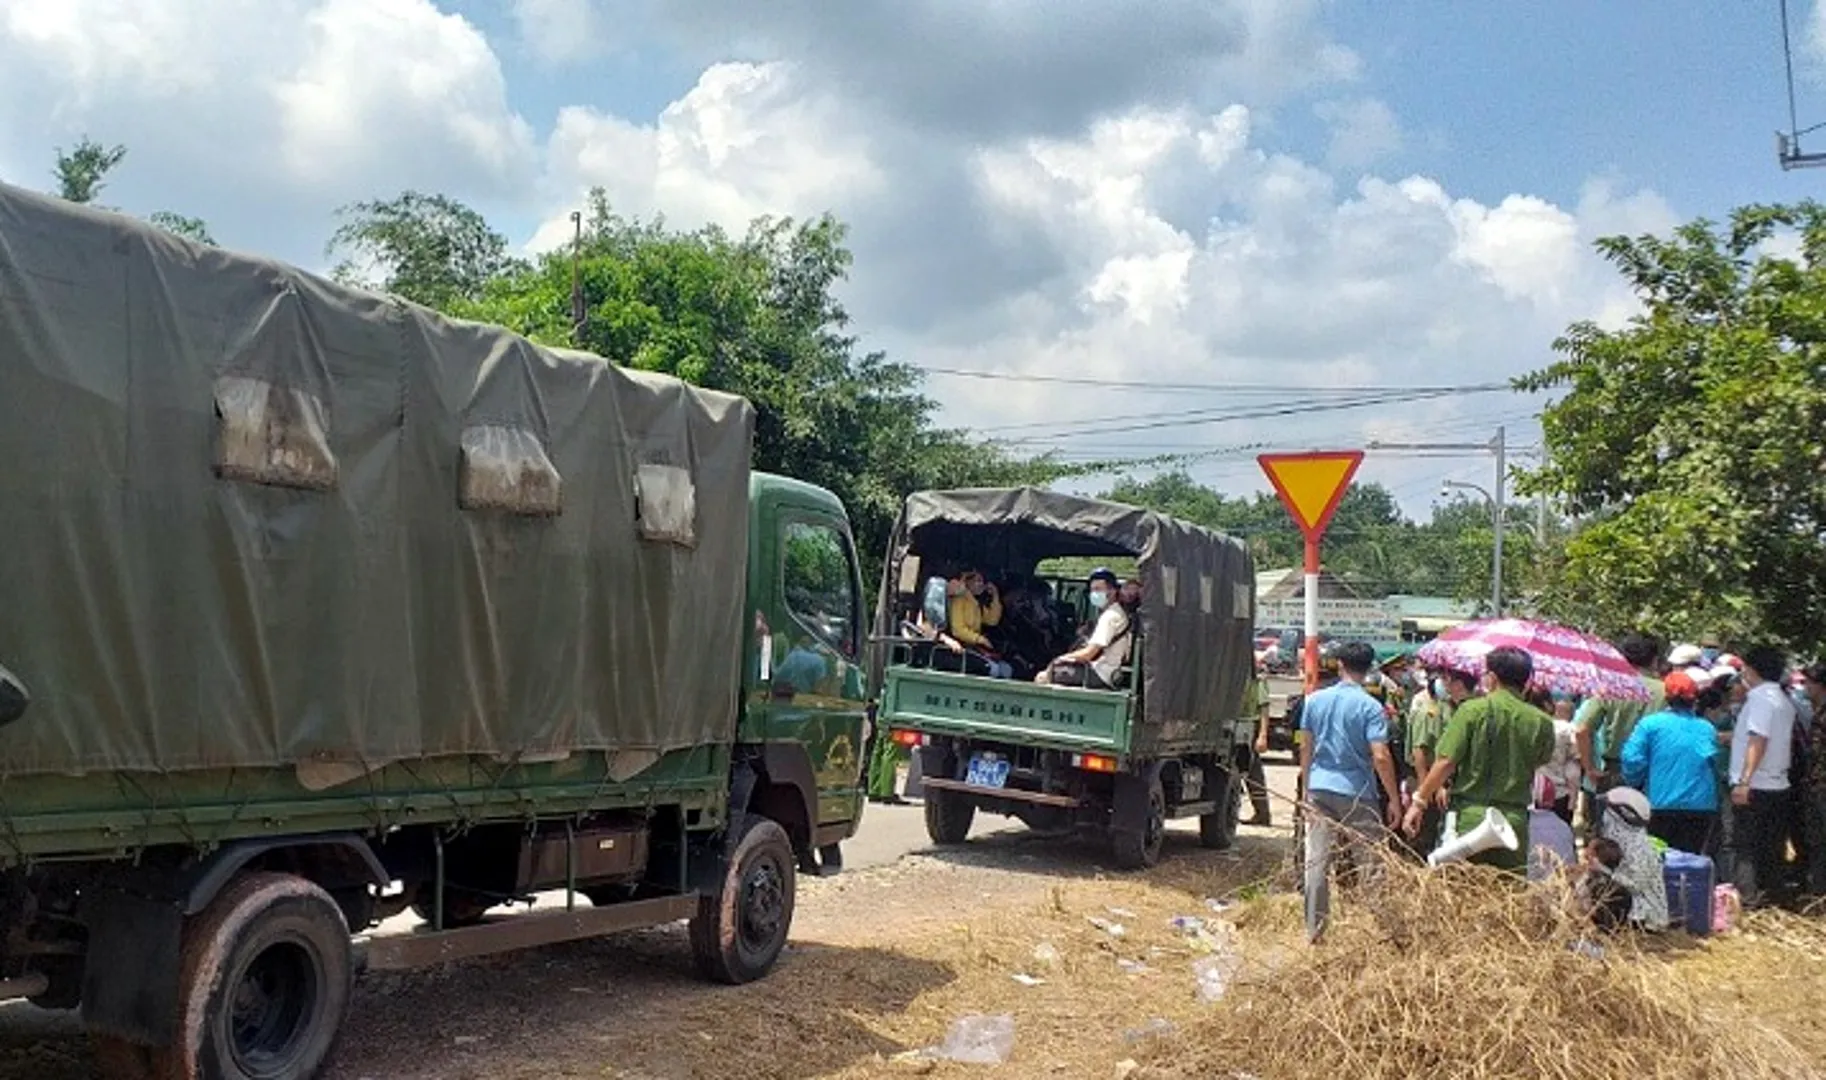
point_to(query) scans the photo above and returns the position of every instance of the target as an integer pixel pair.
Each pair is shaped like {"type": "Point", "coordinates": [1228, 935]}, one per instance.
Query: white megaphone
{"type": "Point", "coordinates": [1493, 832]}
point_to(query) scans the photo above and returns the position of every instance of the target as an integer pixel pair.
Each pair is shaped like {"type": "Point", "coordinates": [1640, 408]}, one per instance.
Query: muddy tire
{"type": "Point", "coordinates": [1140, 849]}
{"type": "Point", "coordinates": [1217, 830]}
{"type": "Point", "coordinates": [264, 981]}
{"type": "Point", "coordinates": [741, 926]}
{"type": "Point", "coordinates": [948, 817]}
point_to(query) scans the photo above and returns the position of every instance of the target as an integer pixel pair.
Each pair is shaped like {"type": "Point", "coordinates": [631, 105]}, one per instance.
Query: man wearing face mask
{"type": "Point", "coordinates": [1444, 693]}
{"type": "Point", "coordinates": [1100, 658]}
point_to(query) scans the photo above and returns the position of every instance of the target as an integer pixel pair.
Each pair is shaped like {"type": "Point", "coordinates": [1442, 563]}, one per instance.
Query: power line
{"type": "Point", "coordinates": [1199, 417]}
{"type": "Point", "coordinates": [1238, 387]}
{"type": "Point", "coordinates": [1073, 426]}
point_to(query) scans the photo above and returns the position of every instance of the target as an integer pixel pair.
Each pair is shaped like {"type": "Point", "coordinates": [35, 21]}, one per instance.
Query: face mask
{"type": "Point", "coordinates": [1439, 688]}
{"type": "Point", "coordinates": [1099, 601]}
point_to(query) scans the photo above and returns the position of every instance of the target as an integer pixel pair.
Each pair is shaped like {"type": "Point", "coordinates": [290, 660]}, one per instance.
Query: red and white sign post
{"type": "Point", "coordinates": [1311, 486]}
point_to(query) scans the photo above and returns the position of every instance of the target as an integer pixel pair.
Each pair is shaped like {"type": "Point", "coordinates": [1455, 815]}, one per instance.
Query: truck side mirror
{"type": "Point", "coordinates": [13, 697]}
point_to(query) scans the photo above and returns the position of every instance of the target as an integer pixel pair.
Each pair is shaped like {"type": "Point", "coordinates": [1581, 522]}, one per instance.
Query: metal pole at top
{"type": "Point", "coordinates": [1496, 570]}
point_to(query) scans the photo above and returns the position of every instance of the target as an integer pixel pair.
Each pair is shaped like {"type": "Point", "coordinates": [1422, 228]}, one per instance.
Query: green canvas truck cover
{"type": "Point", "coordinates": [1198, 586]}
{"type": "Point", "coordinates": [252, 518]}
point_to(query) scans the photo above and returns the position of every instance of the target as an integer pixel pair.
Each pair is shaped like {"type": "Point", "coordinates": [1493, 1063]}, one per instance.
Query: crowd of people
{"type": "Point", "coordinates": [1718, 757]}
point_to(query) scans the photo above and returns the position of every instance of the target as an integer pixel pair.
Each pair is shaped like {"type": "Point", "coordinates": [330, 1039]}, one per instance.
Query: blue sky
{"type": "Point", "coordinates": [1312, 194]}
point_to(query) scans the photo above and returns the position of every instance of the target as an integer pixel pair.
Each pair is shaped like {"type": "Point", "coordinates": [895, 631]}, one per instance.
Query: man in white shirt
{"type": "Point", "coordinates": [1101, 657]}
{"type": "Point", "coordinates": [1761, 746]}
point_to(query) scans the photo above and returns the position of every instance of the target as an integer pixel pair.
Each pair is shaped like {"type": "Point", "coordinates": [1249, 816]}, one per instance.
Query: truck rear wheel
{"type": "Point", "coordinates": [1140, 849]}
{"type": "Point", "coordinates": [1217, 830]}
{"type": "Point", "coordinates": [741, 927]}
{"type": "Point", "coordinates": [264, 982]}
{"type": "Point", "coordinates": [948, 817]}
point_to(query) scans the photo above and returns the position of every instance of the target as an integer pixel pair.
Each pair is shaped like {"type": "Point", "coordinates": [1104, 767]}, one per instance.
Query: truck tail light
{"type": "Point", "coordinates": [909, 739]}
{"type": "Point", "coordinates": [1102, 763]}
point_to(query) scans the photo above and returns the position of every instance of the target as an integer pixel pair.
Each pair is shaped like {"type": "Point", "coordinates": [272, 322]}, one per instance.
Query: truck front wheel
{"type": "Point", "coordinates": [265, 978]}
{"type": "Point", "coordinates": [741, 927]}
{"type": "Point", "coordinates": [948, 817]}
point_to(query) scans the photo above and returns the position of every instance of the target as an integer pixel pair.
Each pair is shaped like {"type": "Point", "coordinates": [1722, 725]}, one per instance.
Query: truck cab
{"type": "Point", "coordinates": [804, 706]}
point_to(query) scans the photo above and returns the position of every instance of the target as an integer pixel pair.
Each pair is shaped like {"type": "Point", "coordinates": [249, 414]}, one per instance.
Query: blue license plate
{"type": "Point", "coordinates": [987, 770]}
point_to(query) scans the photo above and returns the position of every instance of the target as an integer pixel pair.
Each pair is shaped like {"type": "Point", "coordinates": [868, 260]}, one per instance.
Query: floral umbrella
{"type": "Point", "coordinates": [1565, 660]}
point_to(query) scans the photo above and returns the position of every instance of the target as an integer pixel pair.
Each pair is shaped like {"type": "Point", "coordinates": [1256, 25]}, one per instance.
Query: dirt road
{"type": "Point", "coordinates": [882, 959]}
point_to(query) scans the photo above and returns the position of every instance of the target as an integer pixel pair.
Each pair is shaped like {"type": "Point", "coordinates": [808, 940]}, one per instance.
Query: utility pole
{"type": "Point", "coordinates": [578, 314]}
{"type": "Point", "coordinates": [1500, 447]}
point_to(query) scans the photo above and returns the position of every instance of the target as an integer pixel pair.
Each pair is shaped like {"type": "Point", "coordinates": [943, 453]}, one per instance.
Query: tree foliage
{"type": "Point", "coordinates": [82, 171]}
{"type": "Point", "coordinates": [430, 249]}
{"type": "Point", "coordinates": [1369, 543]}
{"type": "Point", "coordinates": [189, 228]}
{"type": "Point", "coordinates": [754, 315]}
{"type": "Point", "coordinates": [1688, 442]}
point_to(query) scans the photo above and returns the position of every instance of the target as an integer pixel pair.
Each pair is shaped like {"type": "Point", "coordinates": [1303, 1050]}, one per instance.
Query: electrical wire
{"type": "Point", "coordinates": [1199, 417]}
{"type": "Point", "coordinates": [1180, 388]}
{"type": "Point", "coordinates": [1075, 427]}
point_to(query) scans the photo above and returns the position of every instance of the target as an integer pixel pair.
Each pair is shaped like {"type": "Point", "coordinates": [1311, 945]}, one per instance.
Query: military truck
{"type": "Point", "coordinates": [316, 607]}
{"type": "Point", "coordinates": [1172, 740]}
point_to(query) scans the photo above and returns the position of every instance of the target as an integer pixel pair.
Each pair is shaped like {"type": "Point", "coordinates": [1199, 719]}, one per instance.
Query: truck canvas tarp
{"type": "Point", "coordinates": [263, 520]}
{"type": "Point", "coordinates": [1198, 605]}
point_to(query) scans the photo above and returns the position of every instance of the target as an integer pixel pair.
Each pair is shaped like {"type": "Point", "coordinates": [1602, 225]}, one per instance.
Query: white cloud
{"type": "Point", "coordinates": [747, 140]}
{"type": "Point", "coordinates": [1101, 196]}
{"type": "Point", "coordinates": [310, 103]}
{"type": "Point", "coordinates": [427, 80]}
{"type": "Point", "coordinates": [1363, 131]}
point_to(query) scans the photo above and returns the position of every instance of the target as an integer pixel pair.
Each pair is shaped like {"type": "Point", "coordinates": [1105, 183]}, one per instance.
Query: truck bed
{"type": "Point", "coordinates": [1021, 713]}
{"type": "Point", "coordinates": [119, 813]}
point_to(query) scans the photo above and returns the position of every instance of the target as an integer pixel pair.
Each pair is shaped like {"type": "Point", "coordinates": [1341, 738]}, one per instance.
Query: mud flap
{"type": "Point", "coordinates": [130, 979]}
{"type": "Point", "coordinates": [1129, 809]}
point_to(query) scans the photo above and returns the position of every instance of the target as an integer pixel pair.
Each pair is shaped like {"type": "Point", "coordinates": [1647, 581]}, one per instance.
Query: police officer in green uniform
{"type": "Point", "coordinates": [1489, 751]}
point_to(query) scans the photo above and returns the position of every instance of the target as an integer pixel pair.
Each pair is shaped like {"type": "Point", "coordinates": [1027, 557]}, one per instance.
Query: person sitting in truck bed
{"type": "Point", "coordinates": [966, 614]}
{"type": "Point", "coordinates": [1095, 664]}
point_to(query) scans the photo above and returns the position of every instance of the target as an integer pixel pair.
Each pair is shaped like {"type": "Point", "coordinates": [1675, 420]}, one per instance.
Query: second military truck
{"type": "Point", "coordinates": [1172, 736]}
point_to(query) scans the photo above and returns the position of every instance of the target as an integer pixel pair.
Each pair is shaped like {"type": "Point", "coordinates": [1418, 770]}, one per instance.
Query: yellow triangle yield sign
{"type": "Point", "coordinates": [1311, 485]}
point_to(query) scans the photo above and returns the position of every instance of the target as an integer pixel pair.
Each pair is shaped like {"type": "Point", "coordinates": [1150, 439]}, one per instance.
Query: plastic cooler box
{"type": "Point", "coordinates": [1690, 881]}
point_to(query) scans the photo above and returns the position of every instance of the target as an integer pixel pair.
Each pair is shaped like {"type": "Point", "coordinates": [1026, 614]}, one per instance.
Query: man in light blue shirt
{"type": "Point", "coordinates": [1343, 754]}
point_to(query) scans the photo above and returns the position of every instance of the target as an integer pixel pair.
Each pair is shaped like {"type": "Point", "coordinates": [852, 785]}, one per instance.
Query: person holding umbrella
{"type": "Point", "coordinates": [1489, 753]}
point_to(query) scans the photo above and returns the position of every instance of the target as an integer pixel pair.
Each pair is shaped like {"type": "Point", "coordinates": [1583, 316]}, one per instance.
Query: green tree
{"type": "Point", "coordinates": [1686, 444]}
{"type": "Point", "coordinates": [1370, 543]}
{"type": "Point", "coordinates": [187, 227]}
{"type": "Point", "coordinates": [756, 316]}
{"type": "Point", "coordinates": [430, 249]}
{"type": "Point", "coordinates": [82, 171]}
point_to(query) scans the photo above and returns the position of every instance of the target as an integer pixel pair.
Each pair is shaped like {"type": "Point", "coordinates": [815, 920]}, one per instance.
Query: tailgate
{"type": "Point", "coordinates": [940, 702]}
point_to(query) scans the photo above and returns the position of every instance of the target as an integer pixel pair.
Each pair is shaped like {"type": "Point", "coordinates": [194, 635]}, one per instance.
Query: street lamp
{"type": "Point", "coordinates": [1496, 525]}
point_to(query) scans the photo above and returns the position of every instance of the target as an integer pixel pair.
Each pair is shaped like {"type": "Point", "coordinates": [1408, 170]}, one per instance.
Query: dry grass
{"type": "Point", "coordinates": [1462, 973]}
